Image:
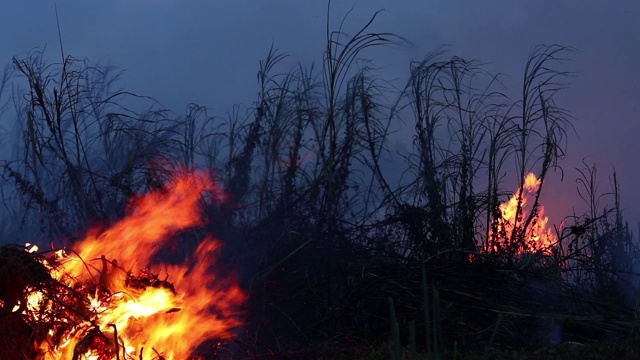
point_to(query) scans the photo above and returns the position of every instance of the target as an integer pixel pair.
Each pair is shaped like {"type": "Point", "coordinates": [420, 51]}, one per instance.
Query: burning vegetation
{"type": "Point", "coordinates": [522, 226]}
{"type": "Point", "coordinates": [335, 249]}
{"type": "Point", "coordinates": [106, 298]}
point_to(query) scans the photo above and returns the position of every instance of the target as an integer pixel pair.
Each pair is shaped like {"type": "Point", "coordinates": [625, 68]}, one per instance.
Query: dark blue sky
{"type": "Point", "coordinates": [207, 52]}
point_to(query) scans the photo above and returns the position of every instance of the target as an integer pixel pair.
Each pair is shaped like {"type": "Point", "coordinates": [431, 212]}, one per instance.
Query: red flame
{"type": "Point", "coordinates": [537, 235]}
{"type": "Point", "coordinates": [128, 310]}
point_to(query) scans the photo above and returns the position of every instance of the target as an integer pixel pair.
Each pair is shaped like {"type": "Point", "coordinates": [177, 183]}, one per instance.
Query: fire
{"type": "Point", "coordinates": [111, 304]}
{"type": "Point", "coordinates": [537, 236]}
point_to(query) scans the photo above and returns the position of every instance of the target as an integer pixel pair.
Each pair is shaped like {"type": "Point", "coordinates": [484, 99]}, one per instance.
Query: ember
{"type": "Point", "coordinates": [106, 299]}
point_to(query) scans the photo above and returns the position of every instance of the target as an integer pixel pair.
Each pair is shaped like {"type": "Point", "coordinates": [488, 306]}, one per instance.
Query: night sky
{"type": "Point", "coordinates": [207, 52]}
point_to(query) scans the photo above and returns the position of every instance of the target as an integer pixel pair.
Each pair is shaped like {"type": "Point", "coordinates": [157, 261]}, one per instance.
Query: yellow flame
{"type": "Point", "coordinates": [538, 237]}
{"type": "Point", "coordinates": [148, 316]}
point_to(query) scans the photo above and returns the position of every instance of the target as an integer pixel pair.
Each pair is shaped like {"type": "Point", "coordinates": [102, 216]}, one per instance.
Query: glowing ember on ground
{"type": "Point", "coordinates": [538, 236]}
{"type": "Point", "coordinates": [109, 301]}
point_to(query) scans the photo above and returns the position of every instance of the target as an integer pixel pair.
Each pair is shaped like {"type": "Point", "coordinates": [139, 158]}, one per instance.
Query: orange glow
{"type": "Point", "coordinates": [164, 316]}
{"type": "Point", "coordinates": [538, 236]}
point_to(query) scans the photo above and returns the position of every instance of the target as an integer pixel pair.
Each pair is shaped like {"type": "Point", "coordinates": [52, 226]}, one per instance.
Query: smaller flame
{"type": "Point", "coordinates": [538, 236]}
{"type": "Point", "coordinates": [31, 248]}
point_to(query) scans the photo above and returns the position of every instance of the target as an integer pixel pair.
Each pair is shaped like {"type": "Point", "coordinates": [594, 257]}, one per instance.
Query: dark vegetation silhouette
{"type": "Point", "coordinates": [322, 234]}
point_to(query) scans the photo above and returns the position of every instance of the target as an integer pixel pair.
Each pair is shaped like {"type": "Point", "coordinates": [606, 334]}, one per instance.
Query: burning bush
{"type": "Point", "coordinates": [107, 299]}
{"type": "Point", "coordinates": [521, 227]}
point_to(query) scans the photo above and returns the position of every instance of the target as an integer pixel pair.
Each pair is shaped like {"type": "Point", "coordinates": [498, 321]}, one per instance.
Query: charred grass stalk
{"type": "Point", "coordinates": [434, 345]}
{"type": "Point", "coordinates": [396, 343]}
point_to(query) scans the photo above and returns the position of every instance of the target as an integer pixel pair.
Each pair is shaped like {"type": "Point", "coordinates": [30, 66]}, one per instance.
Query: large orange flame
{"type": "Point", "coordinates": [137, 314]}
{"type": "Point", "coordinates": [537, 236]}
